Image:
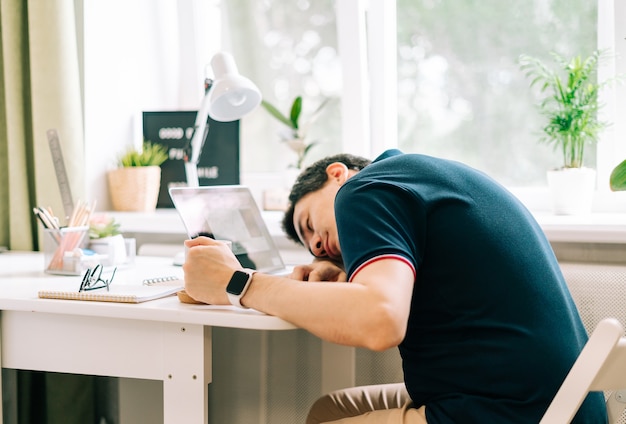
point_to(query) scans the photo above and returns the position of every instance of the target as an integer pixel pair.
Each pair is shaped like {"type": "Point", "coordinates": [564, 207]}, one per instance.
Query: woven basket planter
{"type": "Point", "coordinates": [135, 189]}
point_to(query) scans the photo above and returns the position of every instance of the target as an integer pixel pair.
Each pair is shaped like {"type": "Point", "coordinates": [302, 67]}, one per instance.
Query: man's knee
{"type": "Point", "coordinates": [325, 409]}
{"type": "Point", "coordinates": [355, 401]}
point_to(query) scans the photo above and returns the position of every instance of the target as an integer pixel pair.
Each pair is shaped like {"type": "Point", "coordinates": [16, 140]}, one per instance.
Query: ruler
{"type": "Point", "coordinates": [59, 169]}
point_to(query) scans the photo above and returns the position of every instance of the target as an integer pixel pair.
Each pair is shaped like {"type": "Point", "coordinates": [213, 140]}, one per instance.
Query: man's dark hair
{"type": "Point", "coordinates": [312, 179]}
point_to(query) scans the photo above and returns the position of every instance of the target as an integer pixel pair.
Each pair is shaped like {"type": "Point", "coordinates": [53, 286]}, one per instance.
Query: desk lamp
{"type": "Point", "coordinates": [228, 97]}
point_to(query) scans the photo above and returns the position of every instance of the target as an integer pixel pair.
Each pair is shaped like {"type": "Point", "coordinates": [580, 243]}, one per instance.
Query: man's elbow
{"type": "Point", "coordinates": [384, 336]}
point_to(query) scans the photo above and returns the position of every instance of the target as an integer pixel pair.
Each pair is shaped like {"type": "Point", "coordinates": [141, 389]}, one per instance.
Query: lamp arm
{"type": "Point", "coordinates": [200, 131]}
{"type": "Point", "coordinates": [191, 174]}
{"type": "Point", "coordinates": [201, 128]}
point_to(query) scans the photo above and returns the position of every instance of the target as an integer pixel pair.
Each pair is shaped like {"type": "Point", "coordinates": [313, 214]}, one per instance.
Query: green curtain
{"type": "Point", "coordinates": [40, 88]}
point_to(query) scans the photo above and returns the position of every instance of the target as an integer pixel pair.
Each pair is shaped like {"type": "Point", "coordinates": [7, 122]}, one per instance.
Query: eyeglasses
{"type": "Point", "coordinates": [93, 279]}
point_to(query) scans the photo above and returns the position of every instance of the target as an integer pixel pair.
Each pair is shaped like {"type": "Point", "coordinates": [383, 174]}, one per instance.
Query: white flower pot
{"type": "Point", "coordinates": [572, 190]}
{"type": "Point", "coordinates": [112, 248]}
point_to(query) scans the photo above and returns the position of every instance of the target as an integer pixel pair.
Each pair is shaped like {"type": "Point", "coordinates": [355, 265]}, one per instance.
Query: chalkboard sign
{"type": "Point", "coordinates": [219, 160]}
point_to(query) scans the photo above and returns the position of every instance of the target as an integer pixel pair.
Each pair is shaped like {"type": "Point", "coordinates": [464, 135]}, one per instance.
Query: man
{"type": "Point", "coordinates": [442, 262]}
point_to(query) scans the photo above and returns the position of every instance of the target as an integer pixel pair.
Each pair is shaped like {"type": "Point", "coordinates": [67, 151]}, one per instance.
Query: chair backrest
{"type": "Point", "coordinates": [601, 366]}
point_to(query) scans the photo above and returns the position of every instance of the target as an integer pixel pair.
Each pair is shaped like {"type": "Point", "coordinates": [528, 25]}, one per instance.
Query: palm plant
{"type": "Point", "coordinates": [296, 135]}
{"type": "Point", "coordinates": [571, 105]}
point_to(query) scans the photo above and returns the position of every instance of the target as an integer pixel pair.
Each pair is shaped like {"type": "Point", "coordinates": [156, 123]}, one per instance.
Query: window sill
{"type": "Point", "coordinates": [607, 223]}
{"type": "Point", "coordinates": [592, 228]}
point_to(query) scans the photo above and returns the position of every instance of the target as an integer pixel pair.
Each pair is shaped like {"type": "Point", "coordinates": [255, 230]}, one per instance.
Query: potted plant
{"type": "Point", "coordinates": [102, 226]}
{"type": "Point", "coordinates": [106, 239]}
{"type": "Point", "coordinates": [296, 133]}
{"type": "Point", "coordinates": [134, 185]}
{"type": "Point", "coordinates": [570, 107]}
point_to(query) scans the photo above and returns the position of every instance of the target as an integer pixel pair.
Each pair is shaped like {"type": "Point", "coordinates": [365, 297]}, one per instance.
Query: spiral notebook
{"type": "Point", "coordinates": [122, 293]}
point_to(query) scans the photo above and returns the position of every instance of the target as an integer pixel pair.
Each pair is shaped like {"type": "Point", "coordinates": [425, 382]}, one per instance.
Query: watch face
{"type": "Point", "coordinates": [237, 282]}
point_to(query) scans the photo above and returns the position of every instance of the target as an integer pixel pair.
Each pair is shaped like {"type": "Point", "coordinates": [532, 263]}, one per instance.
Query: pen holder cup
{"type": "Point", "coordinates": [62, 254]}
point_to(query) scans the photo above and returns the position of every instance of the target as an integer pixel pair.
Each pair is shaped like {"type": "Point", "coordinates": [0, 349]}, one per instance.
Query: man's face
{"type": "Point", "coordinates": [314, 220]}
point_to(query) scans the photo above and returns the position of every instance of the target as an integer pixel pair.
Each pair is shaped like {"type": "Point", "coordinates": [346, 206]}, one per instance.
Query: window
{"type": "Point", "coordinates": [461, 94]}
{"type": "Point", "coordinates": [289, 48]}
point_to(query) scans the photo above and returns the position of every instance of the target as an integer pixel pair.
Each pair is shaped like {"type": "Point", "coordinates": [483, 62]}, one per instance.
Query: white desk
{"type": "Point", "coordinates": [158, 340]}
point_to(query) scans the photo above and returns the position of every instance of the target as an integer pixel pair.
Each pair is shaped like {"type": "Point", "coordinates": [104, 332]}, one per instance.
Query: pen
{"type": "Point", "coordinates": [50, 219]}
{"type": "Point", "coordinates": [47, 224]}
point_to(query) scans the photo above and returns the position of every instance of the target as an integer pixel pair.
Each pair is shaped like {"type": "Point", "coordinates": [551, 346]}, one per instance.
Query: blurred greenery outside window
{"type": "Point", "coordinates": [461, 94]}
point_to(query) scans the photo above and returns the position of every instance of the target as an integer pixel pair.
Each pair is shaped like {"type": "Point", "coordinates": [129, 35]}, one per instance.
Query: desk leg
{"type": "Point", "coordinates": [8, 389]}
{"type": "Point", "coordinates": [186, 373]}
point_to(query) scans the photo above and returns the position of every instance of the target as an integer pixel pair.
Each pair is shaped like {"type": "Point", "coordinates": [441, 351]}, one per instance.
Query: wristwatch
{"type": "Point", "coordinates": [238, 285]}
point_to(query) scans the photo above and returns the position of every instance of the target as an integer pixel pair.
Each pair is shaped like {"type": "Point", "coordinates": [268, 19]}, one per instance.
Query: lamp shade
{"type": "Point", "coordinates": [231, 96]}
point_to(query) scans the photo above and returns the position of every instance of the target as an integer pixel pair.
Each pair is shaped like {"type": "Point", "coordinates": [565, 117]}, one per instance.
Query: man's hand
{"type": "Point", "coordinates": [319, 270]}
{"type": "Point", "coordinates": [208, 267]}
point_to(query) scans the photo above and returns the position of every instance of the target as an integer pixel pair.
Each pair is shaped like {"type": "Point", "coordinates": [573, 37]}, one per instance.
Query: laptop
{"type": "Point", "coordinates": [229, 213]}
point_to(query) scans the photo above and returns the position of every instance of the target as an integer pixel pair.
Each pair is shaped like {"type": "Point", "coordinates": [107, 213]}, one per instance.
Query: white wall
{"type": "Point", "coordinates": [139, 55]}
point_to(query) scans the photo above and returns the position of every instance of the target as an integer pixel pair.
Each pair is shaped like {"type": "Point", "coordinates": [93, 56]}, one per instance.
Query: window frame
{"type": "Point", "coordinates": [369, 103]}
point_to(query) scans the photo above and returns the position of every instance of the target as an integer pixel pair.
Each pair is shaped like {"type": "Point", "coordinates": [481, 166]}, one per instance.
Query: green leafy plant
{"type": "Point", "coordinates": [296, 135]}
{"type": "Point", "coordinates": [150, 155]}
{"type": "Point", "coordinates": [293, 120]}
{"type": "Point", "coordinates": [617, 180]}
{"type": "Point", "coordinates": [571, 105]}
{"type": "Point", "coordinates": [102, 225]}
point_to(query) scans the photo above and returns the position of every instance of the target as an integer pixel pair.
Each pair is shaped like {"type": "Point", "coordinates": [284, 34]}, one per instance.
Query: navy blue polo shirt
{"type": "Point", "coordinates": [493, 329]}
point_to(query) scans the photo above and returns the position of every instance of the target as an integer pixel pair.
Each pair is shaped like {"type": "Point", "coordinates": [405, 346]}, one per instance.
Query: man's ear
{"type": "Point", "coordinates": [337, 171]}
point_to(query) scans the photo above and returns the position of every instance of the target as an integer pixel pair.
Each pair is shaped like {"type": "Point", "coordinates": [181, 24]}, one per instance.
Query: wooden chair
{"type": "Point", "coordinates": [601, 366]}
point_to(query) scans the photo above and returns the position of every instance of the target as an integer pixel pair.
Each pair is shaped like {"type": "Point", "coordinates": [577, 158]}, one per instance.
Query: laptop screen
{"type": "Point", "coordinates": [228, 213]}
